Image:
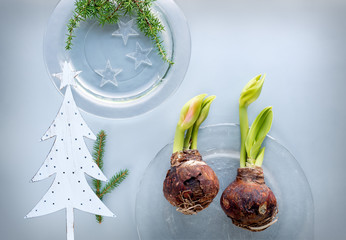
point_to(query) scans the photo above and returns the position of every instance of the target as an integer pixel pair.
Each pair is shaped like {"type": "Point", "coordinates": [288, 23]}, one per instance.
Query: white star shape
{"type": "Point", "coordinates": [140, 56]}
{"type": "Point", "coordinates": [109, 74]}
{"type": "Point", "coordinates": [67, 75]}
{"type": "Point", "coordinates": [125, 30]}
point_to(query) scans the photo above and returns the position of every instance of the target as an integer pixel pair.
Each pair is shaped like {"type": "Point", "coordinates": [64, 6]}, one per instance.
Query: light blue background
{"type": "Point", "coordinates": [300, 44]}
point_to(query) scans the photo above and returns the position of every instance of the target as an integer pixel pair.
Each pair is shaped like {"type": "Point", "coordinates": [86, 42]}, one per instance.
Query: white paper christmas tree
{"type": "Point", "coordinates": [69, 159]}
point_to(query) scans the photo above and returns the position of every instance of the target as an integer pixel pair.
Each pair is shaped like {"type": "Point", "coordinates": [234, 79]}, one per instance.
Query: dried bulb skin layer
{"type": "Point", "coordinates": [249, 202]}
{"type": "Point", "coordinates": [190, 184]}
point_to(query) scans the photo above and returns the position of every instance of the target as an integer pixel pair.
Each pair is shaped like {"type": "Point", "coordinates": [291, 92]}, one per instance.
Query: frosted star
{"type": "Point", "coordinates": [140, 56]}
{"type": "Point", "coordinates": [125, 30]}
{"type": "Point", "coordinates": [109, 74]}
{"type": "Point", "coordinates": [67, 75]}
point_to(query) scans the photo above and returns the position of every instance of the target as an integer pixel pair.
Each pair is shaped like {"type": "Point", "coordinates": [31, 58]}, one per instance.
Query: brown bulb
{"type": "Point", "coordinates": [249, 202]}
{"type": "Point", "coordinates": [190, 184]}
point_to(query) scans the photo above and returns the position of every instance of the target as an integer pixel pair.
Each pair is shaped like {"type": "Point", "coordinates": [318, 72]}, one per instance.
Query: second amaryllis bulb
{"type": "Point", "coordinates": [248, 201]}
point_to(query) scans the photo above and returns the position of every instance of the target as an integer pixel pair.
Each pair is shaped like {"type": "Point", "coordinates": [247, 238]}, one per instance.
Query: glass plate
{"type": "Point", "coordinates": [122, 74]}
{"type": "Point", "coordinates": [219, 146]}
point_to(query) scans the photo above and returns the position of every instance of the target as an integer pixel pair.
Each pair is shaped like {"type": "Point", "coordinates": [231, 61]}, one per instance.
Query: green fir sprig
{"type": "Point", "coordinates": [115, 180]}
{"type": "Point", "coordinates": [109, 11]}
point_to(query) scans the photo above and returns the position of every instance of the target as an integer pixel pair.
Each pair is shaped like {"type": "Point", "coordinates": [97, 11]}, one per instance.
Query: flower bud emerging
{"type": "Point", "coordinates": [190, 112]}
{"type": "Point", "coordinates": [251, 91]}
{"type": "Point", "coordinates": [204, 110]}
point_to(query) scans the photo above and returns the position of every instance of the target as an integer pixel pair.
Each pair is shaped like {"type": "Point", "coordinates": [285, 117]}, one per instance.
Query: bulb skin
{"type": "Point", "coordinates": [249, 202]}
{"type": "Point", "coordinates": [190, 184]}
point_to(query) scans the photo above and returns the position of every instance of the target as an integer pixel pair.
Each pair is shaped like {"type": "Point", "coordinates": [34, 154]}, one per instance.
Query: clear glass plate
{"type": "Point", "coordinates": [122, 74]}
{"type": "Point", "coordinates": [219, 146]}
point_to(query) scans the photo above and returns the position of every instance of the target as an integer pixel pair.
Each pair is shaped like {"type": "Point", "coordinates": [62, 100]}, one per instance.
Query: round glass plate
{"type": "Point", "coordinates": [219, 146]}
{"type": "Point", "coordinates": [122, 75]}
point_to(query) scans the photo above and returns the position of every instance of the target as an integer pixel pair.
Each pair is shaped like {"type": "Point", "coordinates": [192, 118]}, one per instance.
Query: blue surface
{"type": "Point", "coordinates": [299, 44]}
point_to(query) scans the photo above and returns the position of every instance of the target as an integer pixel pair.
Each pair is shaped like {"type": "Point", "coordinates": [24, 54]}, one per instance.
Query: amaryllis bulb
{"type": "Point", "coordinates": [249, 202]}
{"type": "Point", "coordinates": [190, 184]}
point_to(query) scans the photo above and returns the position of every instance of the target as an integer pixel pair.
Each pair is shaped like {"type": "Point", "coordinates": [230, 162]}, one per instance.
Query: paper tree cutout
{"type": "Point", "coordinates": [109, 74]}
{"type": "Point", "coordinates": [125, 30]}
{"type": "Point", "coordinates": [140, 56]}
{"type": "Point", "coordinates": [69, 159]}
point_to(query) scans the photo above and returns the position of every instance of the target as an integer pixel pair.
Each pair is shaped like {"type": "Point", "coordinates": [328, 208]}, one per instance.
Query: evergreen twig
{"type": "Point", "coordinates": [109, 11]}
{"type": "Point", "coordinates": [114, 181]}
{"type": "Point", "coordinates": [98, 157]}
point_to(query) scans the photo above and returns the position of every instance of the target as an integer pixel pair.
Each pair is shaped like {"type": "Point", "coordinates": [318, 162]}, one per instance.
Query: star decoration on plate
{"type": "Point", "coordinates": [125, 30]}
{"type": "Point", "coordinates": [109, 74]}
{"type": "Point", "coordinates": [67, 75]}
{"type": "Point", "coordinates": [140, 56]}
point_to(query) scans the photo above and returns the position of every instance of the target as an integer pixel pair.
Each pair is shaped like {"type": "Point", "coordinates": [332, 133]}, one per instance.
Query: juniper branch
{"type": "Point", "coordinates": [146, 22]}
{"type": "Point", "coordinates": [78, 15]}
{"type": "Point", "coordinates": [106, 11]}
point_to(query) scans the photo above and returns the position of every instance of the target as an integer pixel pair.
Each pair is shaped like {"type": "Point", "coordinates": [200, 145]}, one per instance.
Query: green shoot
{"type": "Point", "coordinates": [202, 116]}
{"type": "Point", "coordinates": [187, 140]}
{"type": "Point", "coordinates": [260, 157]}
{"type": "Point", "coordinates": [193, 113]}
{"type": "Point", "coordinates": [188, 116]}
{"type": "Point", "coordinates": [251, 91]}
{"type": "Point", "coordinates": [249, 94]}
{"type": "Point", "coordinates": [257, 133]}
